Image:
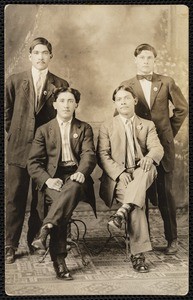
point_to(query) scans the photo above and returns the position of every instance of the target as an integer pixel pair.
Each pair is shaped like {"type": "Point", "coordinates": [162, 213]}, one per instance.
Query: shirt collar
{"type": "Point", "coordinates": [123, 119]}
{"type": "Point", "coordinates": [35, 72]}
{"type": "Point", "coordinates": [138, 73]}
{"type": "Point", "coordinates": [61, 122]}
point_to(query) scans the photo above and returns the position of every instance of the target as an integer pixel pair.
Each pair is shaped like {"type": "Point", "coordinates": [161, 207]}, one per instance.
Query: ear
{"type": "Point", "coordinates": [135, 100]}
{"type": "Point", "coordinates": [54, 104]}
{"type": "Point", "coordinates": [29, 56]}
{"type": "Point", "coordinates": [51, 55]}
{"type": "Point", "coordinates": [135, 59]}
{"type": "Point", "coordinates": [76, 105]}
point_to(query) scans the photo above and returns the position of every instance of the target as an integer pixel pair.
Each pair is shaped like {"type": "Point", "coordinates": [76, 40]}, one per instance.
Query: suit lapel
{"type": "Point", "coordinates": [156, 85]}
{"type": "Point", "coordinates": [47, 90]}
{"type": "Point", "coordinates": [75, 133]}
{"type": "Point", "coordinates": [28, 88]}
{"type": "Point", "coordinates": [138, 91]}
{"type": "Point", "coordinates": [55, 136]}
{"type": "Point", "coordinates": [119, 131]}
{"type": "Point", "coordinates": [137, 126]}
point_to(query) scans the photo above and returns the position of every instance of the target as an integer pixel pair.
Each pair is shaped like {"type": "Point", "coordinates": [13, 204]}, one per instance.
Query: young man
{"type": "Point", "coordinates": [61, 160]}
{"type": "Point", "coordinates": [128, 150]}
{"type": "Point", "coordinates": [154, 92]}
{"type": "Point", "coordinates": [28, 104]}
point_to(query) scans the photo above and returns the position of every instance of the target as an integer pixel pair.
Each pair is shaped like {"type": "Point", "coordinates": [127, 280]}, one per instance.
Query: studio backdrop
{"type": "Point", "coordinates": [93, 49]}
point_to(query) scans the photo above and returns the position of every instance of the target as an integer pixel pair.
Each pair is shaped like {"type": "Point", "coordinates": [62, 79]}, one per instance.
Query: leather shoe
{"type": "Point", "coordinates": [172, 247]}
{"type": "Point", "coordinates": [138, 262]}
{"type": "Point", "coordinates": [116, 221]}
{"type": "Point", "coordinates": [9, 255]}
{"type": "Point", "coordinates": [61, 270]}
{"type": "Point", "coordinates": [35, 251]}
{"type": "Point", "coordinates": [40, 241]}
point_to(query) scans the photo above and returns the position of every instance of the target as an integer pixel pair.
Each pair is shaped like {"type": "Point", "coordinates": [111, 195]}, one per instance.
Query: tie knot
{"type": "Point", "coordinates": [128, 122]}
{"type": "Point", "coordinates": [147, 77]}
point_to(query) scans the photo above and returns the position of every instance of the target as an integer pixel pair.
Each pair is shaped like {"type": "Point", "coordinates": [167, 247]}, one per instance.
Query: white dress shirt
{"type": "Point", "coordinates": [35, 76]}
{"type": "Point", "coordinates": [67, 155]}
{"type": "Point", "coordinates": [146, 87]}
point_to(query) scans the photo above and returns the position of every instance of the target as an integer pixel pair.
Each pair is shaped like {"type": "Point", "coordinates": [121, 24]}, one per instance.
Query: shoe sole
{"type": "Point", "coordinates": [145, 271]}
{"type": "Point", "coordinates": [64, 278]}
{"type": "Point", "coordinates": [38, 245]}
{"type": "Point", "coordinates": [171, 253]}
{"type": "Point", "coordinates": [8, 262]}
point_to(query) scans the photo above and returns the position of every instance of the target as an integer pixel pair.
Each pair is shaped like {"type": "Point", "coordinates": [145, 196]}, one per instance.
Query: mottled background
{"type": "Point", "coordinates": [93, 49]}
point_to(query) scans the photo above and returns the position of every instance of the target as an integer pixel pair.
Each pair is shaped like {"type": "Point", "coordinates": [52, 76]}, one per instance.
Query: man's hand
{"type": "Point", "coordinates": [54, 184]}
{"type": "Point", "coordinates": [145, 163]}
{"type": "Point", "coordinates": [79, 177]}
{"type": "Point", "coordinates": [125, 178]}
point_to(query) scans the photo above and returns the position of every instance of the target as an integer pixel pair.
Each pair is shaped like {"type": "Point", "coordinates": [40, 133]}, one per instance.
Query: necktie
{"type": "Point", "coordinates": [147, 77]}
{"type": "Point", "coordinates": [130, 155]}
{"type": "Point", "coordinates": [38, 89]}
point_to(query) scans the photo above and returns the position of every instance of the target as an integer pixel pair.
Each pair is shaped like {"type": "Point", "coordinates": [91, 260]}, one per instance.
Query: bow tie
{"type": "Point", "coordinates": [147, 77]}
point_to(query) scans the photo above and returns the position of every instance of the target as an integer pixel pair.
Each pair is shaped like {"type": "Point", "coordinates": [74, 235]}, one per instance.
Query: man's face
{"type": "Point", "coordinates": [40, 57]}
{"type": "Point", "coordinates": [125, 103]}
{"type": "Point", "coordinates": [65, 105]}
{"type": "Point", "coordinates": [145, 62]}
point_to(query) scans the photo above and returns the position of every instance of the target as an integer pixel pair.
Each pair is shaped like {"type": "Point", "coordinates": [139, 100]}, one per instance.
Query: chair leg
{"type": "Point", "coordinates": [76, 242]}
{"type": "Point", "coordinates": [147, 212]}
{"type": "Point", "coordinates": [44, 256]}
{"type": "Point", "coordinates": [126, 240]}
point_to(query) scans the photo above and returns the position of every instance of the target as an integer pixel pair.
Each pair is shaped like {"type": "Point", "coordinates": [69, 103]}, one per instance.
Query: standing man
{"type": "Point", "coordinates": [128, 150]}
{"type": "Point", "coordinates": [154, 92]}
{"type": "Point", "coordinates": [28, 104]}
{"type": "Point", "coordinates": [61, 160]}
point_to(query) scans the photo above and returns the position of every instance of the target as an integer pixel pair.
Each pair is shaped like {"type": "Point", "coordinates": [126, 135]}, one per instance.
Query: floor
{"type": "Point", "coordinates": [108, 272]}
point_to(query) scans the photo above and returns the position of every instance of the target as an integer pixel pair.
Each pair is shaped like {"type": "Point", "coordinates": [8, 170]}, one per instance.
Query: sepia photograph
{"type": "Point", "coordinates": [96, 118]}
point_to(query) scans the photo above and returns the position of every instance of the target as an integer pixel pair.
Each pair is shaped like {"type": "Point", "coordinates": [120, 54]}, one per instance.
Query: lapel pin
{"type": "Point", "coordinates": [139, 127]}
{"type": "Point", "coordinates": [45, 93]}
{"type": "Point", "coordinates": [155, 89]}
{"type": "Point", "coordinates": [75, 135]}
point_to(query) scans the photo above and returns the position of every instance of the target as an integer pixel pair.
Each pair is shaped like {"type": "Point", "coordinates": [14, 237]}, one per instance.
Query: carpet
{"type": "Point", "coordinates": [107, 272]}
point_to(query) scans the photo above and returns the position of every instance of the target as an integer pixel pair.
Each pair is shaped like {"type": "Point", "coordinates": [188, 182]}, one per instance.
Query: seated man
{"type": "Point", "coordinates": [128, 150]}
{"type": "Point", "coordinates": [61, 160]}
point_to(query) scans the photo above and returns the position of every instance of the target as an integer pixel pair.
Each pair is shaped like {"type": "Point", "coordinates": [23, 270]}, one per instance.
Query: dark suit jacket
{"type": "Point", "coordinates": [46, 149]}
{"type": "Point", "coordinates": [21, 121]}
{"type": "Point", "coordinates": [111, 151]}
{"type": "Point", "coordinates": [163, 90]}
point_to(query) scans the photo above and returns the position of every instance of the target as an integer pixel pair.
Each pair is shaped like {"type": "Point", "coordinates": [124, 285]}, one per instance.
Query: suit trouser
{"type": "Point", "coordinates": [135, 193]}
{"type": "Point", "coordinates": [17, 187]}
{"type": "Point", "coordinates": [62, 206]}
{"type": "Point", "coordinates": [166, 203]}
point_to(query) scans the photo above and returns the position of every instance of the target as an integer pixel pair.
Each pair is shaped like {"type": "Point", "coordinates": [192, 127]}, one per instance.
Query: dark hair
{"type": "Point", "coordinates": [60, 90]}
{"type": "Point", "coordinates": [142, 47]}
{"type": "Point", "coordinates": [42, 41]}
{"type": "Point", "coordinates": [124, 88]}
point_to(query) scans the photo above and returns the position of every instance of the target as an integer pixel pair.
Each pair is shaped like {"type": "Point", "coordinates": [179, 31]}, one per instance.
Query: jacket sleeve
{"type": "Point", "coordinates": [105, 160]}
{"type": "Point", "coordinates": [180, 106]}
{"type": "Point", "coordinates": [87, 161]}
{"type": "Point", "coordinates": [9, 102]}
{"type": "Point", "coordinates": [38, 160]}
{"type": "Point", "coordinates": [154, 147]}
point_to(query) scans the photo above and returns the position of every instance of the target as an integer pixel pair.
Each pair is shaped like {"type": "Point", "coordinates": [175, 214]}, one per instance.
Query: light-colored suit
{"type": "Point", "coordinates": [163, 90]}
{"type": "Point", "coordinates": [111, 152]}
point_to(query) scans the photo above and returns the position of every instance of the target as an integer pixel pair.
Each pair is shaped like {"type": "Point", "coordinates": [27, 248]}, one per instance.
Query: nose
{"type": "Point", "coordinates": [123, 101]}
{"type": "Point", "coordinates": [40, 55]}
{"type": "Point", "coordinates": [146, 60]}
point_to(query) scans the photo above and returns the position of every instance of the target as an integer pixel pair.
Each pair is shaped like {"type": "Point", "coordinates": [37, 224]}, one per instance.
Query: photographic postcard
{"type": "Point", "coordinates": [93, 50]}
